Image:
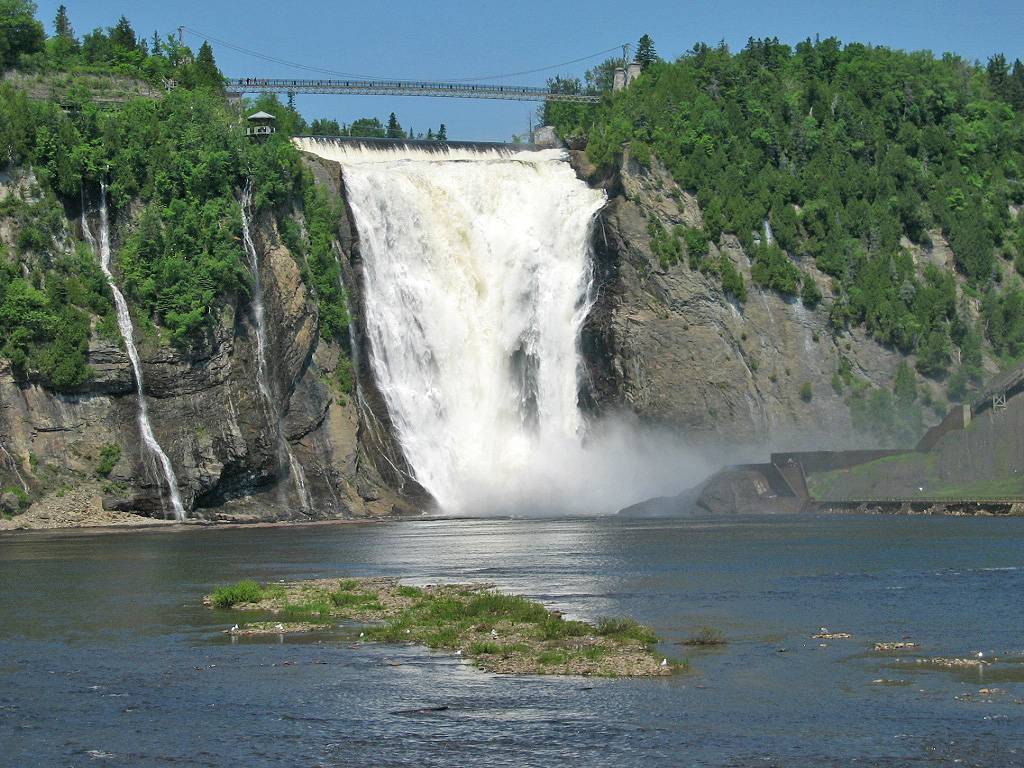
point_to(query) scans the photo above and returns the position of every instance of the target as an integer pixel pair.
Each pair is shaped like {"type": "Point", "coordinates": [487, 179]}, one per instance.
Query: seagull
{"type": "Point", "coordinates": [234, 629]}
{"type": "Point", "coordinates": [981, 655]}
{"type": "Point", "coordinates": [280, 627]}
{"type": "Point", "coordinates": [494, 633]}
{"type": "Point", "coordinates": [664, 662]}
{"type": "Point", "coordinates": [361, 634]}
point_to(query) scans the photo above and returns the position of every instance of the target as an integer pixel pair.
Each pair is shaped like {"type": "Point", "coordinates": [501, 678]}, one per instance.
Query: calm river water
{"type": "Point", "coordinates": [107, 656]}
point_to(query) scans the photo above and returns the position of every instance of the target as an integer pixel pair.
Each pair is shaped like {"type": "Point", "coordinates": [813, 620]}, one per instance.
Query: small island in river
{"type": "Point", "coordinates": [498, 632]}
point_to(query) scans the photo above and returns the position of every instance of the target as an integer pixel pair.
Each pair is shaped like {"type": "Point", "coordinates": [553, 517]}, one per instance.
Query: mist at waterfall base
{"type": "Point", "coordinates": [477, 281]}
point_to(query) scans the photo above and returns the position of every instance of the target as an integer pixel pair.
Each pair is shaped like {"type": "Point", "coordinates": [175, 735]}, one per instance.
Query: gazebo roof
{"type": "Point", "coordinates": [261, 116]}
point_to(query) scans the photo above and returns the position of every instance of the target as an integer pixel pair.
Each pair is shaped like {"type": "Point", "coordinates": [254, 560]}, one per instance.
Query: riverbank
{"type": "Point", "coordinates": [79, 507]}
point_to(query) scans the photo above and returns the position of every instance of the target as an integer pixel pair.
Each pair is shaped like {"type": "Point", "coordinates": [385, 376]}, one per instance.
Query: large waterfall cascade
{"type": "Point", "coordinates": [124, 324]}
{"type": "Point", "coordinates": [284, 449]}
{"type": "Point", "coordinates": [477, 272]}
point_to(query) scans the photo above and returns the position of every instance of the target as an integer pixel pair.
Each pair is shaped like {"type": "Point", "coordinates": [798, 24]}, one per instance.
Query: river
{"type": "Point", "coordinates": [107, 656]}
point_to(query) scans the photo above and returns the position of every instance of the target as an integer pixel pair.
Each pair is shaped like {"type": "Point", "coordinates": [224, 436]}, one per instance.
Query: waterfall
{"type": "Point", "coordinates": [285, 453]}
{"type": "Point", "coordinates": [477, 275]}
{"type": "Point", "coordinates": [124, 324]}
{"type": "Point", "coordinates": [13, 464]}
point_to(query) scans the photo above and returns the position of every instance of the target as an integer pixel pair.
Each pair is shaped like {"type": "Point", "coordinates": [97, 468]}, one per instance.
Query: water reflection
{"type": "Point", "coordinates": [106, 646]}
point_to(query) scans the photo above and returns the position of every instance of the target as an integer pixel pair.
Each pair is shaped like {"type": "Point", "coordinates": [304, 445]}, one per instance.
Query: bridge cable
{"type": "Point", "coordinates": [325, 71]}
{"type": "Point", "coordinates": [539, 69]}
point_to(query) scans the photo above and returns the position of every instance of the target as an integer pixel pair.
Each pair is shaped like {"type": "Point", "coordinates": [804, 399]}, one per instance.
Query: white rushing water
{"type": "Point", "coordinates": [11, 462]}
{"type": "Point", "coordinates": [477, 272]}
{"type": "Point", "coordinates": [285, 453]}
{"type": "Point", "coordinates": [124, 324]}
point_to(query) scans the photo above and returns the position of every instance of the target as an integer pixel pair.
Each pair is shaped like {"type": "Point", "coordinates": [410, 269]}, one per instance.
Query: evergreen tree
{"type": "Point", "coordinates": [123, 35]}
{"type": "Point", "coordinates": [645, 53]}
{"type": "Point", "coordinates": [394, 128]}
{"type": "Point", "coordinates": [1017, 85]}
{"type": "Point", "coordinates": [20, 32]}
{"type": "Point", "coordinates": [206, 75]}
{"type": "Point", "coordinates": [933, 354]}
{"type": "Point", "coordinates": [63, 44]}
{"type": "Point", "coordinates": [62, 24]}
{"type": "Point", "coordinates": [442, 133]}
{"type": "Point", "coordinates": [905, 386]}
{"type": "Point", "coordinates": [998, 71]}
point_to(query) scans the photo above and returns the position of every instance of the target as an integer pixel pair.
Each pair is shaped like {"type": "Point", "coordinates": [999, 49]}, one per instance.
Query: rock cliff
{"type": "Point", "coordinates": [208, 414]}
{"type": "Point", "coordinates": [667, 344]}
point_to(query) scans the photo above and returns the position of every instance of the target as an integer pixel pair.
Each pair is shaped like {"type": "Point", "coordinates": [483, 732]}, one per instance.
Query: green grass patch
{"type": "Point", "coordinates": [705, 637]}
{"type": "Point", "coordinates": [625, 629]}
{"type": "Point", "coordinates": [480, 649]}
{"type": "Point", "coordinates": [308, 612]}
{"type": "Point", "coordinates": [550, 658]}
{"type": "Point", "coordinates": [239, 592]}
{"type": "Point", "coordinates": [355, 599]}
{"type": "Point", "coordinates": [499, 632]}
{"type": "Point", "coordinates": [557, 628]}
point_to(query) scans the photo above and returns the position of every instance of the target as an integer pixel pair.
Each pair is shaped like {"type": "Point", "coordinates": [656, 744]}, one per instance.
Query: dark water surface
{"type": "Point", "coordinates": [107, 656]}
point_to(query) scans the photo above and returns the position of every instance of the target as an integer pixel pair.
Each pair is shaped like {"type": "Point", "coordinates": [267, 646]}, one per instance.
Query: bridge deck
{"type": "Point", "coordinates": [404, 88]}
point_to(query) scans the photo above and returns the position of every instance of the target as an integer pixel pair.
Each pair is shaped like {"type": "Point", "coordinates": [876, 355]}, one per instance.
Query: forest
{"type": "Point", "coordinates": [851, 153]}
{"type": "Point", "coordinates": [177, 162]}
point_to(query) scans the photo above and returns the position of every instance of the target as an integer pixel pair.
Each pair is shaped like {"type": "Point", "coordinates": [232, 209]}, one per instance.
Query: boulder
{"type": "Point", "coordinates": [10, 504]}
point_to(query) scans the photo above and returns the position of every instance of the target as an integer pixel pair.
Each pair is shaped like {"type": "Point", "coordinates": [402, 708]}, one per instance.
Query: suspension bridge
{"type": "Point", "coordinates": [330, 81]}
{"type": "Point", "coordinates": [459, 90]}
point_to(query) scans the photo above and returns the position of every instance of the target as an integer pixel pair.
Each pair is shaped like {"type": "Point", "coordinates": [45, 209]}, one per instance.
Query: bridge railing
{"type": "Point", "coordinates": [404, 88]}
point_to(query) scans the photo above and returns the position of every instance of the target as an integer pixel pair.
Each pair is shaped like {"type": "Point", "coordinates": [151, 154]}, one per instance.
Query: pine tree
{"type": "Point", "coordinates": [64, 43]}
{"type": "Point", "coordinates": [998, 70]}
{"type": "Point", "coordinates": [905, 386]}
{"type": "Point", "coordinates": [123, 35]}
{"type": "Point", "coordinates": [206, 75]}
{"type": "Point", "coordinates": [394, 128]}
{"type": "Point", "coordinates": [645, 53]}
{"type": "Point", "coordinates": [442, 133]}
{"type": "Point", "coordinates": [62, 24]}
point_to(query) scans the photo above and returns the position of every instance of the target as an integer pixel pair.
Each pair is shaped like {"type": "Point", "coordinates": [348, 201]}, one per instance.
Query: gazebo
{"type": "Point", "coordinates": [261, 125]}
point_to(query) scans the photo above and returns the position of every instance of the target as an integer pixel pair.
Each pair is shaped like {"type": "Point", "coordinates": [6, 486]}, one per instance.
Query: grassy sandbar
{"type": "Point", "coordinates": [496, 631]}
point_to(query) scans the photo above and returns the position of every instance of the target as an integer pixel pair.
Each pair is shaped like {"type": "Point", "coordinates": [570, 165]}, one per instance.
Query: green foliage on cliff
{"type": "Point", "coordinates": [845, 150]}
{"type": "Point", "coordinates": [173, 168]}
{"type": "Point", "coordinates": [47, 295]}
{"type": "Point", "coordinates": [110, 454]}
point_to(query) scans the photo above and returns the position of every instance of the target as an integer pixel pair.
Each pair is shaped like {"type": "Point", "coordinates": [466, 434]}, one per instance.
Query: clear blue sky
{"type": "Point", "coordinates": [427, 39]}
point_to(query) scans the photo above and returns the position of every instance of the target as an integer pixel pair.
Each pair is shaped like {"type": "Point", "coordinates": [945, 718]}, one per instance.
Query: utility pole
{"type": "Point", "coordinates": [625, 54]}
{"type": "Point", "coordinates": [181, 33]}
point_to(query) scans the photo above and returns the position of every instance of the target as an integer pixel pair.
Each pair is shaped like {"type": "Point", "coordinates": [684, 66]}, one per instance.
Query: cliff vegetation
{"type": "Point", "coordinates": [866, 163]}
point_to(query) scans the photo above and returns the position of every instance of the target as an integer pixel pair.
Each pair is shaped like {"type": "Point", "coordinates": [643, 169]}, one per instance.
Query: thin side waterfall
{"type": "Point", "coordinates": [13, 464]}
{"type": "Point", "coordinates": [285, 453]}
{"type": "Point", "coordinates": [124, 324]}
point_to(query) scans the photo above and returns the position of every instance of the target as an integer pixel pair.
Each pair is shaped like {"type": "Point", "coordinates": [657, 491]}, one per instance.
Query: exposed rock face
{"type": "Point", "coordinates": [669, 345]}
{"type": "Point", "coordinates": [209, 417]}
